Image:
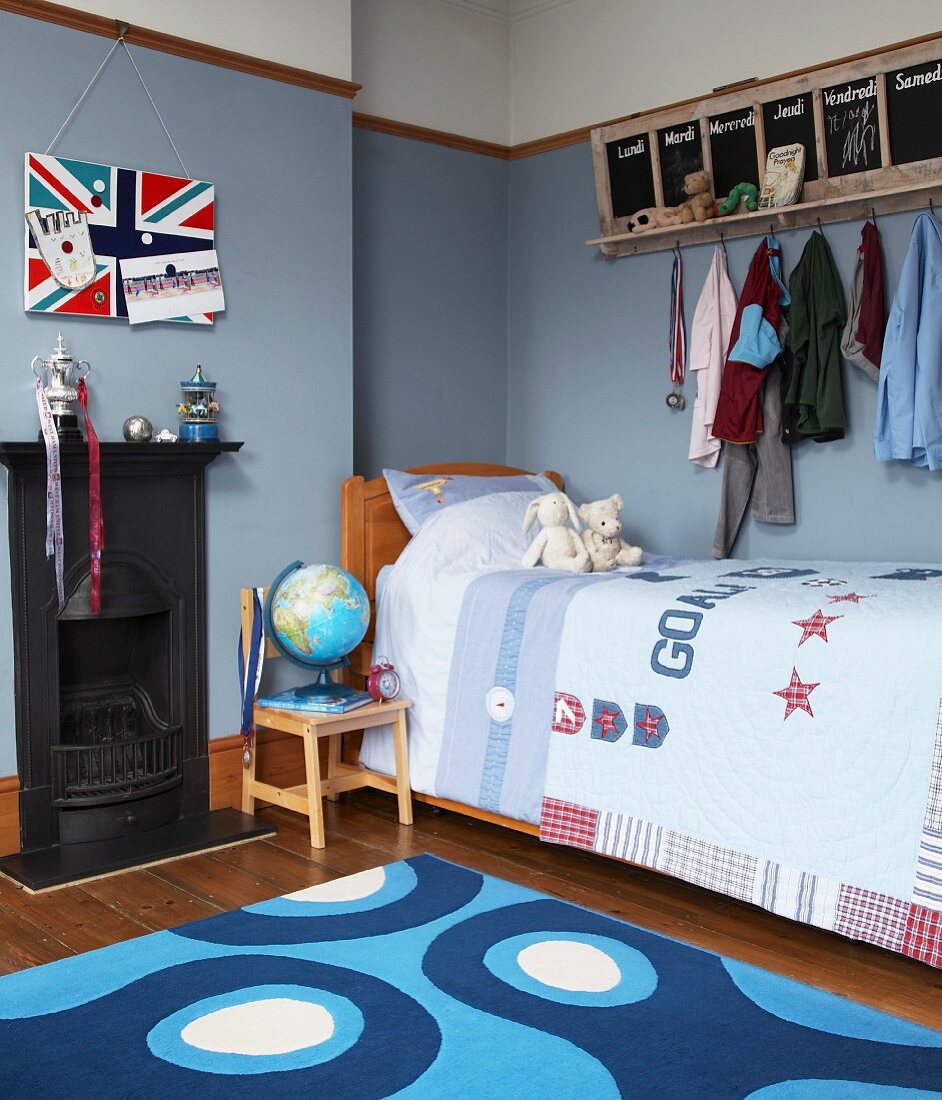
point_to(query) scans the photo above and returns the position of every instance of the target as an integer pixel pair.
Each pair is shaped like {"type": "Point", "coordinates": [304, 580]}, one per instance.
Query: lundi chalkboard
{"type": "Point", "coordinates": [871, 126]}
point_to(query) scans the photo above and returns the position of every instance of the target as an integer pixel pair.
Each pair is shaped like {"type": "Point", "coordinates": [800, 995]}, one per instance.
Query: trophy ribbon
{"type": "Point", "coordinates": [678, 335]}
{"type": "Point", "coordinates": [250, 674]}
{"type": "Point", "coordinates": [96, 527]}
{"type": "Point", "coordinates": [54, 538]}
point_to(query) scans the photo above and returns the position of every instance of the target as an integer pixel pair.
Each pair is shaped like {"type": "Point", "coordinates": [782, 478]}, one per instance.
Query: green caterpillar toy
{"type": "Point", "coordinates": [747, 191]}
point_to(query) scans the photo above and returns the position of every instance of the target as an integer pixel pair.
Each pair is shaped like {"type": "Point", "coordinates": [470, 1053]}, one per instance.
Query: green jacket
{"type": "Point", "coordinates": [815, 397]}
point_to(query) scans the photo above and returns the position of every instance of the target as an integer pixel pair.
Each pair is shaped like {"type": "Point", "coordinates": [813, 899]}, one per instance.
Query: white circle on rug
{"type": "Point", "coordinates": [351, 888]}
{"type": "Point", "coordinates": [500, 704]}
{"type": "Point", "coordinates": [567, 964]}
{"type": "Point", "coordinates": [273, 1025]}
{"type": "Point", "coordinates": [99, 186]}
{"type": "Point", "coordinates": [147, 238]}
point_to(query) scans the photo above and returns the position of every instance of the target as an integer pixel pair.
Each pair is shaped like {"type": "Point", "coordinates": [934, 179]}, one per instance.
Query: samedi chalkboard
{"type": "Point", "coordinates": [851, 129]}
{"type": "Point", "coordinates": [679, 152]}
{"type": "Point", "coordinates": [733, 150]}
{"type": "Point", "coordinates": [914, 112]}
{"type": "Point", "coordinates": [790, 121]}
{"type": "Point", "coordinates": [630, 175]}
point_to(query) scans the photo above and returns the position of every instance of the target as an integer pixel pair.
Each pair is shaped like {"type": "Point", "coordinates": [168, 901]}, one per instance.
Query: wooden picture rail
{"type": "Point", "coordinates": [856, 116]}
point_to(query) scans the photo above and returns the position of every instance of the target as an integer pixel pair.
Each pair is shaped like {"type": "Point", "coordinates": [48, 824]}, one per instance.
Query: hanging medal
{"type": "Point", "coordinates": [678, 335]}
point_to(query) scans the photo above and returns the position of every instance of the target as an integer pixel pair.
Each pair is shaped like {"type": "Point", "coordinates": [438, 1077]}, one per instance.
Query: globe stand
{"type": "Point", "coordinates": [326, 688]}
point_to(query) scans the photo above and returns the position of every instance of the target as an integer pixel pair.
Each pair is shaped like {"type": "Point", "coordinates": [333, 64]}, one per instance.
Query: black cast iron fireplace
{"type": "Point", "coordinates": [111, 729]}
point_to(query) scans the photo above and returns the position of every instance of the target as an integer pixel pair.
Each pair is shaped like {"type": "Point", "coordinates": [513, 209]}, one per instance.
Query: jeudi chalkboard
{"type": "Point", "coordinates": [914, 112]}
{"type": "Point", "coordinates": [630, 175]}
{"type": "Point", "coordinates": [733, 150]}
{"type": "Point", "coordinates": [679, 152]}
{"type": "Point", "coordinates": [791, 120]}
{"type": "Point", "coordinates": [851, 128]}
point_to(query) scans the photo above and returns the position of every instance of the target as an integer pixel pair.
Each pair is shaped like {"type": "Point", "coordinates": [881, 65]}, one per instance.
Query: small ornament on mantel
{"type": "Point", "coordinates": [198, 409]}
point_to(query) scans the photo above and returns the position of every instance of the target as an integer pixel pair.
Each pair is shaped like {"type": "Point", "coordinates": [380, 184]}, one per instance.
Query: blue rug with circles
{"type": "Point", "coordinates": [430, 981]}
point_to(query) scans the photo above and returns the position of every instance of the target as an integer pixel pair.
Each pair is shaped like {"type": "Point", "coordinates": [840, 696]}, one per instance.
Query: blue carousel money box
{"type": "Point", "coordinates": [198, 409]}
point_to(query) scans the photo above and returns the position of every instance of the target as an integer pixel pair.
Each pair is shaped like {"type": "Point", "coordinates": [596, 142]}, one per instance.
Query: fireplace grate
{"type": "Point", "coordinates": [115, 771]}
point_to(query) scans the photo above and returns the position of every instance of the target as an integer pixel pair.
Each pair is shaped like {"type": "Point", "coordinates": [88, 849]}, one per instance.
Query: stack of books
{"type": "Point", "coordinates": [298, 699]}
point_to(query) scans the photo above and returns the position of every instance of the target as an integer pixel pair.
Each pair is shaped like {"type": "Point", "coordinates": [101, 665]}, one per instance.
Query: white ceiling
{"type": "Point", "coordinates": [507, 11]}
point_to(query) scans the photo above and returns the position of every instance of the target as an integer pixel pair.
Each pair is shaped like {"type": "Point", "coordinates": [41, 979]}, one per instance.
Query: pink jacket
{"type": "Point", "coordinates": [709, 342]}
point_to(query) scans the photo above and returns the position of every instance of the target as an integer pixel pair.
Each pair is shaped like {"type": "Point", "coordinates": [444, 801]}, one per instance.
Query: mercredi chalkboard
{"type": "Point", "coordinates": [871, 126]}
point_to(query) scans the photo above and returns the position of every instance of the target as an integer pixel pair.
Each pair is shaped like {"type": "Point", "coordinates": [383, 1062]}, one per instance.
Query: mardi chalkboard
{"type": "Point", "coordinates": [914, 112]}
{"type": "Point", "coordinates": [790, 120]}
{"type": "Point", "coordinates": [679, 153]}
{"type": "Point", "coordinates": [733, 150]}
{"type": "Point", "coordinates": [630, 175]}
{"type": "Point", "coordinates": [851, 128]}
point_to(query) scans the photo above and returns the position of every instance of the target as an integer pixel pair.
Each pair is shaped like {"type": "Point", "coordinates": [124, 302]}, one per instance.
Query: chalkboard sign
{"type": "Point", "coordinates": [733, 150]}
{"type": "Point", "coordinates": [630, 175]}
{"type": "Point", "coordinates": [679, 152]}
{"type": "Point", "coordinates": [851, 128]}
{"type": "Point", "coordinates": [791, 120]}
{"type": "Point", "coordinates": [914, 112]}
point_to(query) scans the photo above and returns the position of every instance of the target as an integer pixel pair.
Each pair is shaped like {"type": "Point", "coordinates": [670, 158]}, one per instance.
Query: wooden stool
{"type": "Point", "coordinates": [306, 797]}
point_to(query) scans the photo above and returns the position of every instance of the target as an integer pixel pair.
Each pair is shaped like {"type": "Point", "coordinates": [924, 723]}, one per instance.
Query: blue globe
{"type": "Point", "coordinates": [316, 614]}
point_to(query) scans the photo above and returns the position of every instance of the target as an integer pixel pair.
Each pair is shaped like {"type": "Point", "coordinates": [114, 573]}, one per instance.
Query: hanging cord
{"type": "Point", "coordinates": [119, 42]}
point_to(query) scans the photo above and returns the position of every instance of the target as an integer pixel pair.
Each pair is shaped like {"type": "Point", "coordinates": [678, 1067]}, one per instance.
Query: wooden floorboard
{"type": "Point", "coordinates": [363, 832]}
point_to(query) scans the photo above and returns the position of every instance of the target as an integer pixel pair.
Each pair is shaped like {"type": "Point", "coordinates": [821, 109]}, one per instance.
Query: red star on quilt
{"type": "Point", "coordinates": [649, 725]}
{"type": "Point", "coordinates": [848, 597]}
{"type": "Point", "coordinates": [816, 626]}
{"type": "Point", "coordinates": [606, 721]}
{"type": "Point", "coordinates": [796, 695]}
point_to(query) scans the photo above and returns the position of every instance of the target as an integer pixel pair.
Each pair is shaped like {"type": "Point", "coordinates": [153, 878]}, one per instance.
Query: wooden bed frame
{"type": "Point", "coordinates": [373, 535]}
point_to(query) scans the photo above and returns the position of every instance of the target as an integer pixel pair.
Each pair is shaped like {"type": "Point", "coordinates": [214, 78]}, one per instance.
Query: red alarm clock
{"type": "Point", "coordinates": [383, 681]}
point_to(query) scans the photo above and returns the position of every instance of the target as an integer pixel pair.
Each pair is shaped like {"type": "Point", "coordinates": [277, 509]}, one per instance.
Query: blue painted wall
{"type": "Point", "coordinates": [588, 377]}
{"type": "Point", "coordinates": [430, 304]}
{"type": "Point", "coordinates": [282, 352]}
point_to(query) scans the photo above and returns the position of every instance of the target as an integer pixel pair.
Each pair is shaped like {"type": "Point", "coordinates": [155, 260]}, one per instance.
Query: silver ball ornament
{"type": "Point", "coordinates": [138, 429]}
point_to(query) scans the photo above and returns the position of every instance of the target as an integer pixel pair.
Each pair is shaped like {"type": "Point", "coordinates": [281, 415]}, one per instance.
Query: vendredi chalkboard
{"type": "Point", "coordinates": [679, 152]}
{"type": "Point", "coordinates": [914, 112]}
{"type": "Point", "coordinates": [790, 121]}
{"type": "Point", "coordinates": [851, 130]}
{"type": "Point", "coordinates": [630, 175]}
{"type": "Point", "coordinates": [733, 150]}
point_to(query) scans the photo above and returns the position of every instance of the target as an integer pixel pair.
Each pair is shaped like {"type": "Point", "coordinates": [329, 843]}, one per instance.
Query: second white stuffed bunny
{"type": "Point", "coordinates": [557, 546]}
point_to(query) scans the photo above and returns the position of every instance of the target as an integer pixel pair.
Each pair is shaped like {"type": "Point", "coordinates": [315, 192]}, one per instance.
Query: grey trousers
{"type": "Point", "coordinates": [762, 470]}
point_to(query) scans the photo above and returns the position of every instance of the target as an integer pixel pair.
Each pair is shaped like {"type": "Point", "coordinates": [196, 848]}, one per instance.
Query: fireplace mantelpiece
{"type": "Point", "coordinates": [153, 594]}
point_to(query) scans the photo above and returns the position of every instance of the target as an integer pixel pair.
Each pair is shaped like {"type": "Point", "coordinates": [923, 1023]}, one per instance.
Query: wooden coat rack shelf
{"type": "Point", "coordinates": [870, 126]}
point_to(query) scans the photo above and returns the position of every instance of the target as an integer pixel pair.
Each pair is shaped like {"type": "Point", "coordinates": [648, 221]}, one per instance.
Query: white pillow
{"type": "Point", "coordinates": [418, 497]}
{"type": "Point", "coordinates": [479, 533]}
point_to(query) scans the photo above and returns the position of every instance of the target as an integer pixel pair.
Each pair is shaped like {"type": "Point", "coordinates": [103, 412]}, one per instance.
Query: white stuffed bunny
{"type": "Point", "coordinates": [557, 545]}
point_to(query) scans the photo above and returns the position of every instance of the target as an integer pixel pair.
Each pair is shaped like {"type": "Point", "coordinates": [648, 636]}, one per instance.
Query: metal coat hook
{"type": "Point", "coordinates": [873, 215]}
{"type": "Point", "coordinates": [723, 244]}
{"type": "Point", "coordinates": [820, 226]}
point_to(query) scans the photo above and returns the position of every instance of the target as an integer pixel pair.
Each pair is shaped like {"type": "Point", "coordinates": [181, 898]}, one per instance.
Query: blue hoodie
{"type": "Point", "coordinates": [909, 399]}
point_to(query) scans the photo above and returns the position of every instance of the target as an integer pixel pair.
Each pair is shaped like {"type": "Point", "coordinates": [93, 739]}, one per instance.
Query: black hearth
{"type": "Point", "coordinates": [112, 744]}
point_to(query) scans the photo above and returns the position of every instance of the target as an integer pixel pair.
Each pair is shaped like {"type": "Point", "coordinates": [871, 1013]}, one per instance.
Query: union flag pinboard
{"type": "Point", "coordinates": [130, 214]}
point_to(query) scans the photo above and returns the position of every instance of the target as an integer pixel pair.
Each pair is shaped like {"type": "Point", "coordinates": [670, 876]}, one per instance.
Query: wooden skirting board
{"type": "Point", "coordinates": [280, 763]}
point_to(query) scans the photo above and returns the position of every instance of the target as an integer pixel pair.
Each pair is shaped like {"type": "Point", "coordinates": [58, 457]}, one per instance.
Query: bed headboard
{"type": "Point", "coordinates": [373, 535]}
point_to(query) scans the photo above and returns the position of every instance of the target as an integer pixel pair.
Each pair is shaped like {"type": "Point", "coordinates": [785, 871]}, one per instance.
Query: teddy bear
{"type": "Point", "coordinates": [699, 204]}
{"type": "Point", "coordinates": [602, 537]}
{"type": "Point", "coordinates": [557, 546]}
{"type": "Point", "coordinates": [651, 217]}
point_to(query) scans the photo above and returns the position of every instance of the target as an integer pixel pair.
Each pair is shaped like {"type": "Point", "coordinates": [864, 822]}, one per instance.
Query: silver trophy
{"type": "Point", "coordinates": [59, 375]}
